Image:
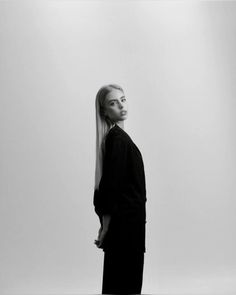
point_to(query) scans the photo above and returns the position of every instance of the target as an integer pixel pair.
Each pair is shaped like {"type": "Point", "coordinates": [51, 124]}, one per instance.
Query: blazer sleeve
{"type": "Point", "coordinates": [113, 176]}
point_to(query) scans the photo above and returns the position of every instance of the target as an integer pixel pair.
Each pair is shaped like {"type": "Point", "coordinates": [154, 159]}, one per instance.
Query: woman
{"type": "Point", "coordinates": [119, 196]}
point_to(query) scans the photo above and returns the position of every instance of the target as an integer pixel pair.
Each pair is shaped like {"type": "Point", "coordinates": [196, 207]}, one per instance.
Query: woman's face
{"type": "Point", "coordinates": [116, 107]}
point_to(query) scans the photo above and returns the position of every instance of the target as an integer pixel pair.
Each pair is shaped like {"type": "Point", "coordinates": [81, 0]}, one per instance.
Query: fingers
{"type": "Point", "coordinates": [98, 243]}
{"type": "Point", "coordinates": [100, 239]}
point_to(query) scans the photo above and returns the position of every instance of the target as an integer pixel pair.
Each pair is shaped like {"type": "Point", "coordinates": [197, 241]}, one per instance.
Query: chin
{"type": "Point", "coordinates": [124, 117]}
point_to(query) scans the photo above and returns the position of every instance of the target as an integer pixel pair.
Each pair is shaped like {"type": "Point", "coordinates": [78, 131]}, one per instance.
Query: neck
{"type": "Point", "coordinates": [120, 124]}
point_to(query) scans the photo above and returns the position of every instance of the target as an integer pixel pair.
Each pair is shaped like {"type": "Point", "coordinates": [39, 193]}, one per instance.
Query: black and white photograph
{"type": "Point", "coordinates": [117, 147]}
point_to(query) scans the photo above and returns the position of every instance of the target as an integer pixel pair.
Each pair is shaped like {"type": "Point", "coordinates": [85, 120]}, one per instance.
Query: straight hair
{"type": "Point", "coordinates": [103, 125]}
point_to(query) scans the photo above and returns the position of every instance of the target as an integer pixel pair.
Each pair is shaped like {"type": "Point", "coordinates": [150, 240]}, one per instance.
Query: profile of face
{"type": "Point", "coordinates": [115, 107]}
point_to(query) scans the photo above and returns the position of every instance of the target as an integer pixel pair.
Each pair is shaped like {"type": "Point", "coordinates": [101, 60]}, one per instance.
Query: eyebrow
{"type": "Point", "coordinates": [116, 98]}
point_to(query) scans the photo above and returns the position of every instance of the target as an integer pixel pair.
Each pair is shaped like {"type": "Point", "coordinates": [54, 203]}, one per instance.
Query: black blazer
{"type": "Point", "coordinates": [122, 193]}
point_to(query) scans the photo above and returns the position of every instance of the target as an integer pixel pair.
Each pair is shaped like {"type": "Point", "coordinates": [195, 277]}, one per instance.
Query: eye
{"type": "Point", "coordinates": [123, 99]}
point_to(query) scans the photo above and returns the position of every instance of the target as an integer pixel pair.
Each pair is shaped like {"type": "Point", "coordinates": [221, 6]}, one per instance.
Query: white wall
{"type": "Point", "coordinates": [176, 62]}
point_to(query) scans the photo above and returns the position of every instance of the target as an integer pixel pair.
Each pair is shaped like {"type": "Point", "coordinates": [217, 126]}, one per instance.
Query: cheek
{"type": "Point", "coordinates": [113, 111]}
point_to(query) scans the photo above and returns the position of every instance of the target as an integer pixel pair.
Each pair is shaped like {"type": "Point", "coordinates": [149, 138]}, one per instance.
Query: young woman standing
{"type": "Point", "coordinates": [119, 195]}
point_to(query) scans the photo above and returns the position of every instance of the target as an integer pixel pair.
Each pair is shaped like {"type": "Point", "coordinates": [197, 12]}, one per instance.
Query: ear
{"type": "Point", "coordinates": [105, 114]}
{"type": "Point", "coordinates": [102, 112]}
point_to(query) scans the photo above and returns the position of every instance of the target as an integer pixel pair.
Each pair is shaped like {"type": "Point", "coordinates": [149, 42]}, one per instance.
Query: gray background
{"type": "Point", "coordinates": [176, 63]}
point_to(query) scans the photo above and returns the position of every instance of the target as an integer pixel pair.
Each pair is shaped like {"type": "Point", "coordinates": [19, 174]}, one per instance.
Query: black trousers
{"type": "Point", "coordinates": [122, 272]}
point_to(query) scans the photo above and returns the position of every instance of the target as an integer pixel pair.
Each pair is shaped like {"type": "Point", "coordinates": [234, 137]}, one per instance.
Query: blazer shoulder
{"type": "Point", "coordinates": [118, 134]}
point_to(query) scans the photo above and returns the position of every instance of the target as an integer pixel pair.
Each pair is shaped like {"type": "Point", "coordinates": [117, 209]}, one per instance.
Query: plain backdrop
{"type": "Point", "coordinates": [176, 62]}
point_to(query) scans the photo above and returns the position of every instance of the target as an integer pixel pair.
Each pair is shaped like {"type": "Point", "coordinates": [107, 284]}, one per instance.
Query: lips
{"type": "Point", "coordinates": [123, 113]}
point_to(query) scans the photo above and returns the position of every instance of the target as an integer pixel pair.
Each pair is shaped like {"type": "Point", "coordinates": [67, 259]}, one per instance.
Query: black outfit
{"type": "Point", "coordinates": [122, 194]}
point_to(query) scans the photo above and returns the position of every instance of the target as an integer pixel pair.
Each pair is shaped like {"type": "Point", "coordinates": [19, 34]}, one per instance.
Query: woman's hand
{"type": "Point", "coordinates": [101, 236]}
{"type": "Point", "coordinates": [103, 230]}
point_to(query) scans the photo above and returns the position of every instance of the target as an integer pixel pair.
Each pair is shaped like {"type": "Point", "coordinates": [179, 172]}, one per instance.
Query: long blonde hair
{"type": "Point", "coordinates": [103, 125]}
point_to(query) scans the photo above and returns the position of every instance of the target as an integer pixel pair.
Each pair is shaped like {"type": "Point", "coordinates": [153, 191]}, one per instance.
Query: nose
{"type": "Point", "coordinates": [120, 105]}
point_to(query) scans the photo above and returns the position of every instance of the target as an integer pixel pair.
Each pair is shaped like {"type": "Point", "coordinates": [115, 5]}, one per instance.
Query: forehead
{"type": "Point", "coordinates": [114, 94]}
